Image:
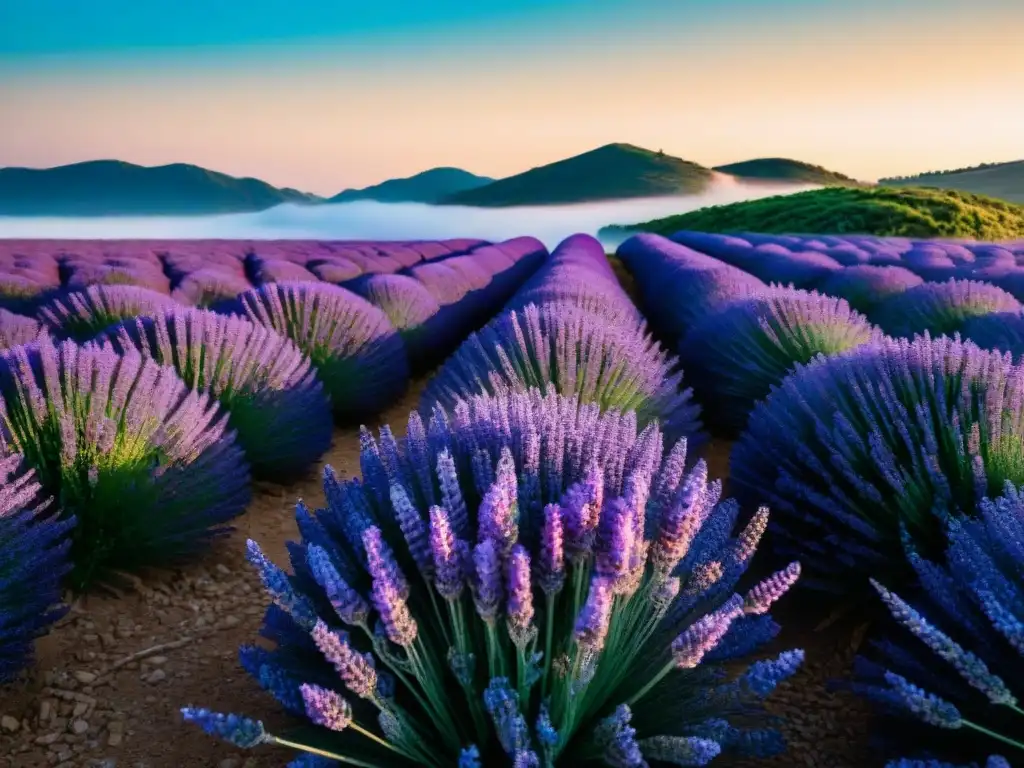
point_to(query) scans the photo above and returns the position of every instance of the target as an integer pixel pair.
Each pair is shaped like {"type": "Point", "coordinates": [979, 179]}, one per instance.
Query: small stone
{"type": "Point", "coordinates": [47, 738]}
{"type": "Point", "coordinates": [231, 622]}
{"type": "Point", "coordinates": [80, 709]}
{"type": "Point", "coordinates": [79, 727]}
{"type": "Point", "coordinates": [156, 676]}
{"type": "Point", "coordinates": [156, 661]}
{"type": "Point", "coordinates": [223, 570]}
{"type": "Point", "coordinates": [45, 710]}
{"type": "Point", "coordinates": [9, 724]}
{"type": "Point", "coordinates": [114, 739]}
{"type": "Point", "coordinates": [229, 762]}
{"type": "Point", "coordinates": [85, 677]}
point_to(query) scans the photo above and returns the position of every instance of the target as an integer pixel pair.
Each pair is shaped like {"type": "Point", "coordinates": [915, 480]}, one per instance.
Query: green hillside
{"type": "Point", "coordinates": [781, 169]}
{"type": "Point", "coordinates": [615, 171]}
{"type": "Point", "coordinates": [426, 187]}
{"type": "Point", "coordinates": [1002, 180]}
{"type": "Point", "coordinates": [882, 211]}
{"type": "Point", "coordinates": [116, 188]}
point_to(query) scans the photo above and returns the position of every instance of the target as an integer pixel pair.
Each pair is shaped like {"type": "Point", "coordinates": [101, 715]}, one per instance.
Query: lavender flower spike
{"type": "Point", "coordinates": [551, 561]}
{"type": "Point", "coordinates": [449, 578]}
{"type": "Point", "coordinates": [356, 669]}
{"type": "Point", "coordinates": [520, 597]}
{"type": "Point", "coordinates": [240, 731]}
{"type": "Point", "coordinates": [389, 591]}
{"type": "Point", "coordinates": [592, 623]}
{"type": "Point", "coordinates": [927, 706]}
{"type": "Point", "coordinates": [759, 599]}
{"type": "Point", "coordinates": [347, 603]}
{"type": "Point", "coordinates": [414, 530]}
{"type": "Point", "coordinates": [487, 591]}
{"type": "Point", "coordinates": [326, 708]}
{"type": "Point", "coordinates": [704, 634]}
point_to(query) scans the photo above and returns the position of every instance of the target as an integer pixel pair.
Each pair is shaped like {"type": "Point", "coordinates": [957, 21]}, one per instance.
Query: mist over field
{"type": "Point", "coordinates": [391, 221]}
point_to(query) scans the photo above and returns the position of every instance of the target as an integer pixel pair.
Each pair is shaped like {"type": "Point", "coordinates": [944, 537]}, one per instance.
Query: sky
{"type": "Point", "coordinates": [322, 95]}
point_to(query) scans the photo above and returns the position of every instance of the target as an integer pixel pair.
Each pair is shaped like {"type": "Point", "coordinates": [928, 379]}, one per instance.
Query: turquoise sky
{"type": "Point", "coordinates": [319, 95]}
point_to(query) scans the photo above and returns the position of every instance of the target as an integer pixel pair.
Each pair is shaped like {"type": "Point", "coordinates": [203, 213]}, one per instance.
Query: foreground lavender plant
{"type": "Point", "coordinates": [491, 594]}
{"type": "Point", "coordinates": [567, 350]}
{"type": "Point", "coordinates": [147, 467]}
{"type": "Point", "coordinates": [941, 308]}
{"type": "Point", "coordinates": [970, 615]}
{"type": "Point", "coordinates": [893, 435]}
{"type": "Point", "coordinates": [356, 351]}
{"type": "Point", "coordinates": [17, 329]}
{"type": "Point", "coordinates": [33, 559]}
{"type": "Point", "coordinates": [736, 355]}
{"type": "Point", "coordinates": [865, 286]}
{"type": "Point", "coordinates": [1003, 331]}
{"type": "Point", "coordinates": [83, 314]}
{"type": "Point", "coordinates": [275, 402]}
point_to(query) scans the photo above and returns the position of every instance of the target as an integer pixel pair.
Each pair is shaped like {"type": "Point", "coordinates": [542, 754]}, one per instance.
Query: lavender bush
{"type": "Point", "coordinates": [275, 403]}
{"type": "Point", "coordinates": [491, 594]}
{"type": "Point", "coordinates": [17, 329]}
{"type": "Point", "coordinates": [33, 560]}
{"type": "Point", "coordinates": [83, 314]}
{"type": "Point", "coordinates": [734, 357]}
{"type": "Point", "coordinates": [565, 349]}
{"type": "Point", "coordinates": [357, 353]}
{"type": "Point", "coordinates": [891, 436]}
{"type": "Point", "coordinates": [1003, 331]}
{"type": "Point", "coordinates": [941, 308]}
{"type": "Point", "coordinates": [147, 467]}
{"type": "Point", "coordinates": [866, 285]}
{"type": "Point", "coordinates": [969, 613]}
{"type": "Point", "coordinates": [209, 287]}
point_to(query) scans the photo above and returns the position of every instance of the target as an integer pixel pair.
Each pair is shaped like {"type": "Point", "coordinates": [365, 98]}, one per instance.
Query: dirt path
{"type": "Point", "coordinates": [112, 677]}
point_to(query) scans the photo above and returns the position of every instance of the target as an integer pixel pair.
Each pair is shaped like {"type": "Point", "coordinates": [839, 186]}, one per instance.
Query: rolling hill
{"type": "Point", "coordinates": [883, 211]}
{"type": "Point", "coordinates": [426, 187]}
{"type": "Point", "coordinates": [1002, 180]}
{"type": "Point", "coordinates": [614, 171]}
{"type": "Point", "coordinates": [116, 188]}
{"type": "Point", "coordinates": [781, 169]}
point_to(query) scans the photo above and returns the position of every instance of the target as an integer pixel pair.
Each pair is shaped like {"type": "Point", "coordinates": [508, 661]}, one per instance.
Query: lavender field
{"type": "Point", "coordinates": [711, 500]}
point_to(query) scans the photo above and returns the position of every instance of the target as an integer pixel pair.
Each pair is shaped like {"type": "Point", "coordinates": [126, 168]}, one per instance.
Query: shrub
{"type": "Point", "coordinates": [407, 304]}
{"type": "Point", "coordinates": [596, 626]}
{"type": "Point", "coordinates": [357, 353]}
{"type": "Point", "coordinates": [208, 287]}
{"type": "Point", "coordinates": [734, 357]}
{"type": "Point", "coordinates": [33, 559]}
{"type": "Point", "coordinates": [941, 308]}
{"type": "Point", "coordinates": [17, 329]}
{"type": "Point", "coordinates": [147, 467]}
{"type": "Point", "coordinates": [83, 314]}
{"type": "Point", "coordinates": [849, 450]}
{"type": "Point", "coordinates": [564, 349]}
{"type": "Point", "coordinates": [275, 403]}
{"type": "Point", "coordinates": [1003, 331]}
{"type": "Point", "coordinates": [961, 698]}
{"type": "Point", "coordinates": [866, 285]}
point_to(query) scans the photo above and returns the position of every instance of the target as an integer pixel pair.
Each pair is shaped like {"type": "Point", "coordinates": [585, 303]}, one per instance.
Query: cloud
{"type": "Point", "coordinates": [380, 221]}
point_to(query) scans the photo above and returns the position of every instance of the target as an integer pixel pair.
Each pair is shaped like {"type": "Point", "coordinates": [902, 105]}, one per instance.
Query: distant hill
{"type": "Point", "coordinates": [1002, 180]}
{"type": "Point", "coordinates": [883, 211]}
{"type": "Point", "coordinates": [781, 169]}
{"type": "Point", "coordinates": [427, 187]}
{"type": "Point", "coordinates": [115, 188]}
{"type": "Point", "coordinates": [611, 172]}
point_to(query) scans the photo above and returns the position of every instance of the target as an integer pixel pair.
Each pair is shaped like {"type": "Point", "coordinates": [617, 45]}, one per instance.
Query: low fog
{"type": "Point", "coordinates": [395, 221]}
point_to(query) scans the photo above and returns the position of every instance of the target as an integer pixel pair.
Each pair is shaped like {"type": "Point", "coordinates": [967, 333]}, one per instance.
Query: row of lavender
{"type": "Point", "coordinates": [200, 272]}
{"type": "Point", "coordinates": [890, 464]}
{"type": "Point", "coordinates": [905, 286]}
{"type": "Point", "coordinates": [142, 429]}
{"type": "Point", "coordinates": [530, 576]}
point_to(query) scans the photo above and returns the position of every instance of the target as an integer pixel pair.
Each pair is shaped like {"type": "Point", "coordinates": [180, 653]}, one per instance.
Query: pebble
{"type": "Point", "coordinates": [85, 677]}
{"type": "Point", "coordinates": [9, 724]}
{"type": "Point", "coordinates": [229, 762]}
{"type": "Point", "coordinates": [79, 727]}
{"type": "Point", "coordinates": [156, 676]}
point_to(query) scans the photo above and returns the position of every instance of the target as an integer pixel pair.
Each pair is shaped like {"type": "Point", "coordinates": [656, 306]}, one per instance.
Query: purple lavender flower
{"type": "Point", "coordinates": [592, 623]}
{"type": "Point", "coordinates": [347, 603]}
{"type": "Point", "coordinates": [520, 596]}
{"type": "Point", "coordinates": [758, 601]}
{"type": "Point", "coordinates": [390, 590]}
{"type": "Point", "coordinates": [618, 740]}
{"type": "Point", "coordinates": [864, 286]}
{"type": "Point", "coordinates": [16, 330]}
{"type": "Point", "coordinates": [1002, 331]}
{"type": "Point", "coordinates": [414, 529]}
{"type": "Point", "coordinates": [551, 562]}
{"type": "Point", "coordinates": [703, 635]}
{"type": "Point", "coordinates": [487, 590]}
{"type": "Point", "coordinates": [502, 703]}
{"type": "Point", "coordinates": [448, 556]}
{"type": "Point", "coordinates": [326, 708]}
{"type": "Point", "coordinates": [680, 750]}
{"type": "Point", "coordinates": [615, 543]}
{"type": "Point", "coordinates": [240, 731]}
{"type": "Point", "coordinates": [356, 669]}
{"type": "Point", "coordinates": [275, 402]}
{"type": "Point", "coordinates": [356, 351]}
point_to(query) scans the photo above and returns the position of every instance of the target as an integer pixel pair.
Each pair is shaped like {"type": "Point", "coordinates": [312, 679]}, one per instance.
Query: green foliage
{"type": "Point", "coordinates": [784, 169]}
{"type": "Point", "coordinates": [614, 171]}
{"type": "Point", "coordinates": [881, 211]}
{"type": "Point", "coordinates": [1002, 180]}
